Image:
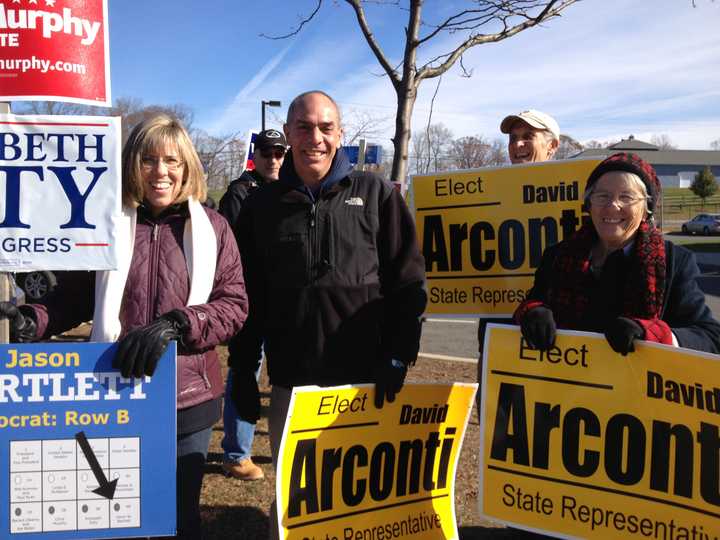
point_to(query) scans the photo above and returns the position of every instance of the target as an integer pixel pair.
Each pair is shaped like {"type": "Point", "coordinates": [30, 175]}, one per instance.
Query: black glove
{"type": "Point", "coordinates": [621, 333]}
{"type": "Point", "coordinates": [538, 328]}
{"type": "Point", "coordinates": [389, 379]}
{"type": "Point", "coordinates": [23, 329]}
{"type": "Point", "coordinates": [245, 395]}
{"type": "Point", "coordinates": [139, 351]}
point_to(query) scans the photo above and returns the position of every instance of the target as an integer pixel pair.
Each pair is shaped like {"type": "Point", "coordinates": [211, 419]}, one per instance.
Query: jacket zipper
{"type": "Point", "coordinates": [152, 271]}
{"type": "Point", "coordinates": [313, 240]}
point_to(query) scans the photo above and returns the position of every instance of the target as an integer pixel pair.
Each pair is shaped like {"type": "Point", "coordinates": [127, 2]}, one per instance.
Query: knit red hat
{"type": "Point", "coordinates": [624, 161]}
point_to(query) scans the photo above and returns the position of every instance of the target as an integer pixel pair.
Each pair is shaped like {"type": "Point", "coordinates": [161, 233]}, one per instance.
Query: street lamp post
{"type": "Point", "coordinates": [271, 103]}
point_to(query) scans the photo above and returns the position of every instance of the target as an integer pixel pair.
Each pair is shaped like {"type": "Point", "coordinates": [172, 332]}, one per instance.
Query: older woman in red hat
{"type": "Point", "coordinates": [617, 275]}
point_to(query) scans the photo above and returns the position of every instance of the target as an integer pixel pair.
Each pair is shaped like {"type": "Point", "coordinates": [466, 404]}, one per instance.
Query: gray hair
{"type": "Point", "coordinates": [634, 180]}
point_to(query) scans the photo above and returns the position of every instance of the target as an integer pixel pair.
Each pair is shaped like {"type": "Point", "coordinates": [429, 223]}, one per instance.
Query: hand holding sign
{"type": "Point", "coordinates": [621, 333]}
{"type": "Point", "coordinates": [389, 379]}
{"type": "Point", "coordinates": [538, 328]}
{"type": "Point", "coordinates": [139, 351]}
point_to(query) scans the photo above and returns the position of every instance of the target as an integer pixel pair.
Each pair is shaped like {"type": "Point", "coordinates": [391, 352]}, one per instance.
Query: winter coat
{"type": "Point", "coordinates": [684, 309]}
{"type": "Point", "coordinates": [336, 280]}
{"type": "Point", "coordinates": [158, 282]}
{"type": "Point", "coordinates": [238, 190]}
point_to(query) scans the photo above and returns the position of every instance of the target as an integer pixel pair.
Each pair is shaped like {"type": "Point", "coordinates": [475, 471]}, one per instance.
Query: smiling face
{"type": "Point", "coordinates": [314, 135]}
{"type": "Point", "coordinates": [528, 145]}
{"type": "Point", "coordinates": [625, 207]}
{"type": "Point", "coordinates": [162, 174]}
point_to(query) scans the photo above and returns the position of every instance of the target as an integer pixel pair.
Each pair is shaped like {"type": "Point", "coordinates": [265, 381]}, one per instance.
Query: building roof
{"type": "Point", "coordinates": [631, 144]}
{"type": "Point", "coordinates": [653, 155]}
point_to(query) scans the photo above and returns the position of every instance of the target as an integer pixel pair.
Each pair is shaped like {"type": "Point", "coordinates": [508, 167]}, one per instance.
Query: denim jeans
{"type": "Point", "coordinates": [238, 433]}
{"type": "Point", "coordinates": [192, 449]}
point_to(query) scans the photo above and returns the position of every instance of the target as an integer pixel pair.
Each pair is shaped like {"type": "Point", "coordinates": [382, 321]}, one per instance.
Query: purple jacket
{"type": "Point", "coordinates": [158, 282]}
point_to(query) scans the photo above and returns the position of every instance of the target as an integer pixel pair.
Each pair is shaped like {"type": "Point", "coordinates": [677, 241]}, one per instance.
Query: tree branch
{"type": "Point", "coordinates": [303, 22]}
{"type": "Point", "coordinates": [372, 42]}
{"type": "Point", "coordinates": [465, 73]}
{"type": "Point", "coordinates": [427, 72]}
{"type": "Point", "coordinates": [432, 106]}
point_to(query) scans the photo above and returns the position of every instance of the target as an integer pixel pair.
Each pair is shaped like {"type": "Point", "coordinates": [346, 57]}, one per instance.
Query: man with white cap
{"type": "Point", "coordinates": [533, 136]}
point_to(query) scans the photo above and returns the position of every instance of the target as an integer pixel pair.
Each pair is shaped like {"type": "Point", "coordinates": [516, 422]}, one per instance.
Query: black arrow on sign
{"type": "Point", "coordinates": [106, 489]}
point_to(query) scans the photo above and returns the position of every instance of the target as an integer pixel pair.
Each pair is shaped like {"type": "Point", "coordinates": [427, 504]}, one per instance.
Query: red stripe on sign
{"type": "Point", "coordinates": [52, 124]}
{"type": "Point", "coordinates": [91, 245]}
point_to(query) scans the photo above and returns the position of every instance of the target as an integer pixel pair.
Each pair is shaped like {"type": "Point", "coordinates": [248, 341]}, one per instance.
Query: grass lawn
{"type": "Point", "coordinates": [706, 245]}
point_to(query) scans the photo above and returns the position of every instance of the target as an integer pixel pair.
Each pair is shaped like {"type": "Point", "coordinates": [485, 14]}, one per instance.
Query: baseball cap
{"type": "Point", "coordinates": [534, 118]}
{"type": "Point", "coordinates": [270, 138]}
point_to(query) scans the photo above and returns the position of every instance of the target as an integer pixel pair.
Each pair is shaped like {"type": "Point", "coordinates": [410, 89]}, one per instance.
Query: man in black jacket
{"type": "Point", "coordinates": [333, 269]}
{"type": "Point", "coordinates": [268, 157]}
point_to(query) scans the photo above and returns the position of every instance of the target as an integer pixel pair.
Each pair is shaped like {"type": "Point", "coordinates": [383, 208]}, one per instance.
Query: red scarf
{"type": "Point", "coordinates": [572, 279]}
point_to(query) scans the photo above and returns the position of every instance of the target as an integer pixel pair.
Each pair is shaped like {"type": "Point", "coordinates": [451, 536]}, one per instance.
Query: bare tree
{"type": "Point", "coordinates": [476, 151]}
{"type": "Point", "coordinates": [599, 144]}
{"type": "Point", "coordinates": [430, 149]}
{"type": "Point", "coordinates": [56, 107]}
{"type": "Point", "coordinates": [715, 145]}
{"type": "Point", "coordinates": [506, 18]}
{"type": "Point", "coordinates": [469, 152]}
{"type": "Point", "coordinates": [499, 155]}
{"type": "Point", "coordinates": [568, 147]}
{"type": "Point", "coordinates": [132, 111]}
{"type": "Point", "coordinates": [222, 157]}
{"type": "Point", "coordinates": [663, 142]}
{"type": "Point", "coordinates": [358, 124]}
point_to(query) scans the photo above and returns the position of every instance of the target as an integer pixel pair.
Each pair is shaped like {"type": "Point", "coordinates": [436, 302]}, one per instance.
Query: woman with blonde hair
{"type": "Point", "coordinates": [179, 277]}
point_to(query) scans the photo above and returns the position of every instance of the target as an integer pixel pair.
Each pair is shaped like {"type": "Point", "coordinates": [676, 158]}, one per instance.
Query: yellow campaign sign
{"type": "Point", "coordinates": [583, 442]}
{"type": "Point", "coordinates": [348, 470]}
{"type": "Point", "coordinates": [483, 231]}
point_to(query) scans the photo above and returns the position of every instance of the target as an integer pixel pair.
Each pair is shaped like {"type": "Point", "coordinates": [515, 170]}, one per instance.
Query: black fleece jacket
{"type": "Point", "coordinates": [335, 279]}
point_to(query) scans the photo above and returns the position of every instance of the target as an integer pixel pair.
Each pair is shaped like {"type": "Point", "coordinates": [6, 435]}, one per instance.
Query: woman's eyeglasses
{"type": "Point", "coordinates": [277, 153]}
{"type": "Point", "coordinates": [148, 163]}
{"type": "Point", "coordinates": [602, 198]}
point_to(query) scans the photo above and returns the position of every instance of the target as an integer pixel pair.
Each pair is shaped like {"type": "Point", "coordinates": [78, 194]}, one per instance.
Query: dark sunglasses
{"type": "Point", "coordinates": [267, 153]}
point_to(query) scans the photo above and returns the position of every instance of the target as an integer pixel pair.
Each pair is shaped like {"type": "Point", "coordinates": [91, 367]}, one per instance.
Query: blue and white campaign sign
{"type": "Point", "coordinates": [59, 192]}
{"type": "Point", "coordinates": [84, 452]}
{"type": "Point", "coordinates": [373, 154]}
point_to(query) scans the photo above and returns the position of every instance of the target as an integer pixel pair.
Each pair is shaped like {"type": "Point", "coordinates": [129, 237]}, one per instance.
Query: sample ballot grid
{"type": "Point", "coordinates": [51, 485]}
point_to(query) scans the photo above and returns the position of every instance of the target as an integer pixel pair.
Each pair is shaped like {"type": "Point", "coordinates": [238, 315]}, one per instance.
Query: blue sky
{"type": "Point", "coordinates": [606, 69]}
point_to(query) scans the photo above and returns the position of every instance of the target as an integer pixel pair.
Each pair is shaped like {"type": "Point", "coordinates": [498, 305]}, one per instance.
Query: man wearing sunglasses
{"type": "Point", "coordinates": [268, 157]}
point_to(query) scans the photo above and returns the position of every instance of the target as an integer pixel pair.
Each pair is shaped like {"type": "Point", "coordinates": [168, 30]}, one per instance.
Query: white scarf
{"type": "Point", "coordinates": [199, 245]}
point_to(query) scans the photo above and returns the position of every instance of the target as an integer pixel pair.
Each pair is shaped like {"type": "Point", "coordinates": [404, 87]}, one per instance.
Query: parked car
{"type": "Point", "coordinates": [37, 285]}
{"type": "Point", "coordinates": [702, 223]}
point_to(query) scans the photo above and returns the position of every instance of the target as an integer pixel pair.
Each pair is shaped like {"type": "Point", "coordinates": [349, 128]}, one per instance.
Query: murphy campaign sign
{"type": "Point", "coordinates": [483, 231]}
{"type": "Point", "coordinates": [579, 441]}
{"type": "Point", "coordinates": [54, 50]}
{"type": "Point", "coordinates": [59, 192]}
{"type": "Point", "coordinates": [349, 470]}
{"type": "Point", "coordinates": [84, 451]}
